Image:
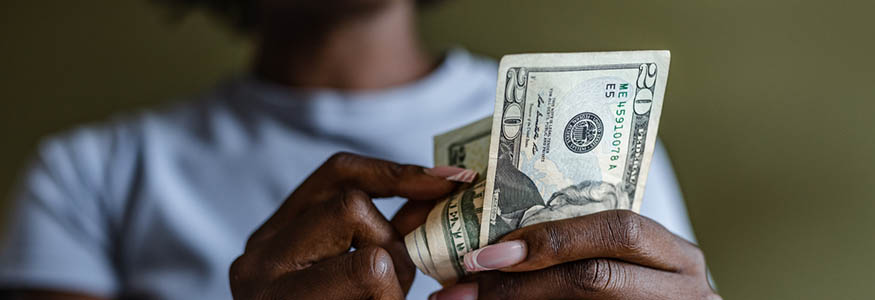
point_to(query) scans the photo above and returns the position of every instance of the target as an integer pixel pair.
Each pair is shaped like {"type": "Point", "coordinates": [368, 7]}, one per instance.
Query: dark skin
{"type": "Point", "coordinates": [302, 251]}
{"type": "Point", "coordinates": [615, 254]}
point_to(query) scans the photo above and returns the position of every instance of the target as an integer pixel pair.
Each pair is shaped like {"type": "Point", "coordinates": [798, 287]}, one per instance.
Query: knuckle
{"type": "Point", "coordinates": [338, 161]}
{"type": "Point", "coordinates": [354, 206]}
{"type": "Point", "coordinates": [235, 271]}
{"type": "Point", "coordinates": [372, 265]}
{"type": "Point", "coordinates": [258, 238]}
{"type": "Point", "coordinates": [590, 276]}
{"type": "Point", "coordinates": [625, 230]}
{"type": "Point", "coordinates": [697, 256]}
{"type": "Point", "coordinates": [693, 259]}
{"type": "Point", "coordinates": [393, 171]}
{"type": "Point", "coordinates": [252, 241]}
{"type": "Point", "coordinates": [552, 239]}
{"type": "Point", "coordinates": [240, 271]}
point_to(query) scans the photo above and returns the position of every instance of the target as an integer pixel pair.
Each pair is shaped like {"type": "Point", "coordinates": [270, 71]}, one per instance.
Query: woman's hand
{"type": "Point", "coordinates": [614, 254]}
{"type": "Point", "coordinates": [302, 251]}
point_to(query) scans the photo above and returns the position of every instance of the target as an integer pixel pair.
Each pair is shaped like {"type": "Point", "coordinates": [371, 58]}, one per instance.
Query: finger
{"type": "Point", "coordinates": [332, 228]}
{"type": "Point", "coordinates": [411, 215]}
{"type": "Point", "coordinates": [379, 178]}
{"type": "Point", "coordinates": [375, 230]}
{"type": "Point", "coordinates": [414, 213]}
{"type": "Point", "coordinates": [367, 273]}
{"type": "Point", "coordinates": [590, 279]}
{"type": "Point", "coordinates": [618, 234]}
{"type": "Point", "coordinates": [461, 291]}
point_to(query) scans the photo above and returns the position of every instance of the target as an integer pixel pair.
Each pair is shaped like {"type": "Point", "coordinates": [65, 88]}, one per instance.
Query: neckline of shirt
{"type": "Point", "coordinates": [441, 80]}
{"type": "Point", "coordinates": [331, 112]}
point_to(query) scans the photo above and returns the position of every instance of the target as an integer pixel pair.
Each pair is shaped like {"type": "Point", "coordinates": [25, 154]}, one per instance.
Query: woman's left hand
{"type": "Point", "coordinates": [614, 254]}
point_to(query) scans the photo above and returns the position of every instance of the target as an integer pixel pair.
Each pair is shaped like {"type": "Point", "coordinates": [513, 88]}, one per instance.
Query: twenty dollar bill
{"type": "Point", "coordinates": [572, 134]}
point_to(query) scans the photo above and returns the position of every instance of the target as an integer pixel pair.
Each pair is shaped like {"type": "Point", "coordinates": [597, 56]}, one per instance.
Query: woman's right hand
{"type": "Point", "coordinates": [303, 250]}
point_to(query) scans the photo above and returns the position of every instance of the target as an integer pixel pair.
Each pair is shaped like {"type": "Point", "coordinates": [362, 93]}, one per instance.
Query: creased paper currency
{"type": "Point", "coordinates": [572, 134]}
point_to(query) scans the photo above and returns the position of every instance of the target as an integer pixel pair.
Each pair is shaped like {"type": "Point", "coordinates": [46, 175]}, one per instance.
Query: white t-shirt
{"type": "Point", "coordinates": [157, 205]}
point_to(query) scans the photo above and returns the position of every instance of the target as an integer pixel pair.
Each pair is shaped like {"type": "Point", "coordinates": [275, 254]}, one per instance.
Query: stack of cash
{"type": "Point", "coordinates": [572, 134]}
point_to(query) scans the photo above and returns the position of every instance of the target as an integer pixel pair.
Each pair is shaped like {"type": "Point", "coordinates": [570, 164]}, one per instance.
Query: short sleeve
{"type": "Point", "coordinates": [57, 235]}
{"type": "Point", "coordinates": [663, 200]}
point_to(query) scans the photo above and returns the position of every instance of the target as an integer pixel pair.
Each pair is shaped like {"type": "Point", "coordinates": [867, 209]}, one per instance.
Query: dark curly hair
{"type": "Point", "coordinates": [240, 14]}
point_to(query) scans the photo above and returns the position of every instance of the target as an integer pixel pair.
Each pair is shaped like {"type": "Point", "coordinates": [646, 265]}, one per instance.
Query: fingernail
{"type": "Point", "coordinates": [452, 173]}
{"type": "Point", "coordinates": [463, 291]}
{"type": "Point", "coordinates": [496, 256]}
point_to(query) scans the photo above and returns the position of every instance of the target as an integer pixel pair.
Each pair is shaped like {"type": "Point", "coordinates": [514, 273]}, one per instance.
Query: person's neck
{"type": "Point", "coordinates": [377, 51]}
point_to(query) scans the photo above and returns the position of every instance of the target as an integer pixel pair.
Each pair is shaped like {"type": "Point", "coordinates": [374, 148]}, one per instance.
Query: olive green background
{"type": "Point", "coordinates": [767, 113]}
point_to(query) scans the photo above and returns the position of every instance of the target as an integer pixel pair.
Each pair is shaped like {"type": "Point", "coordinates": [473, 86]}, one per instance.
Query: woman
{"type": "Point", "coordinates": [163, 204]}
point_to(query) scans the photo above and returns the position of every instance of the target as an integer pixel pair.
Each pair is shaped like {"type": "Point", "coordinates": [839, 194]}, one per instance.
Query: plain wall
{"type": "Point", "coordinates": [767, 112]}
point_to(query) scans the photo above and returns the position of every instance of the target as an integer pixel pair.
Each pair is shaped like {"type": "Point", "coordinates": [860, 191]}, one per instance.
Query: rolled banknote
{"type": "Point", "coordinates": [455, 220]}
{"type": "Point", "coordinates": [572, 134]}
